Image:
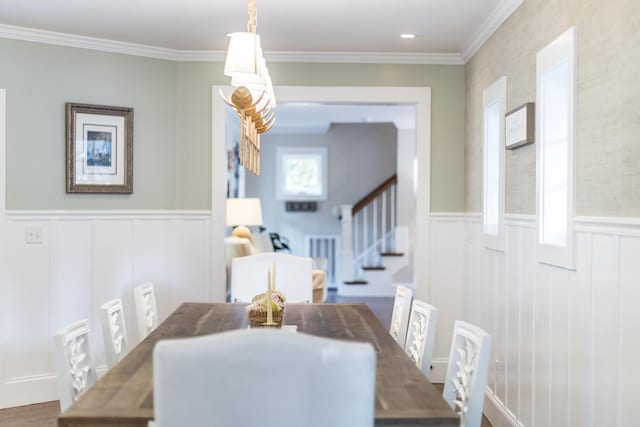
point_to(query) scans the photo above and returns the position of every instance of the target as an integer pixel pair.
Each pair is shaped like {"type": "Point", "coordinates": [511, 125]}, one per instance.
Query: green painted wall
{"type": "Point", "coordinates": [172, 135]}
{"type": "Point", "coordinates": [41, 78]}
{"type": "Point", "coordinates": [448, 104]}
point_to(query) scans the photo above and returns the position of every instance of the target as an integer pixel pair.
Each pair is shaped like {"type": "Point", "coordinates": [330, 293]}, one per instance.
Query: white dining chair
{"type": "Point", "coordinates": [267, 378]}
{"type": "Point", "coordinates": [75, 368]}
{"type": "Point", "coordinates": [467, 372]}
{"type": "Point", "coordinates": [293, 276]}
{"type": "Point", "coordinates": [400, 314]}
{"type": "Point", "coordinates": [146, 309]}
{"type": "Point", "coordinates": [421, 335]}
{"type": "Point", "coordinates": [114, 331]}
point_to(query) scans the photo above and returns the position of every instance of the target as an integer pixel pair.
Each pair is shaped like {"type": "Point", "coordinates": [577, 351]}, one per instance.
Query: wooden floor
{"type": "Point", "coordinates": [45, 414]}
{"type": "Point", "coordinates": [41, 415]}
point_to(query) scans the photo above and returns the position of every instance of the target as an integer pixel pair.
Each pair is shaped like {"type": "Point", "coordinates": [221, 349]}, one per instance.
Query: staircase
{"type": "Point", "coordinates": [374, 247]}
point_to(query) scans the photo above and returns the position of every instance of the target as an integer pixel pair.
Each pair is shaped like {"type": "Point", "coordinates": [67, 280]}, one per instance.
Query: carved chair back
{"type": "Point", "coordinates": [75, 367]}
{"type": "Point", "coordinates": [467, 372]}
{"type": "Point", "coordinates": [146, 309]}
{"type": "Point", "coordinates": [421, 335]}
{"type": "Point", "coordinates": [114, 331]}
{"type": "Point", "coordinates": [400, 314]}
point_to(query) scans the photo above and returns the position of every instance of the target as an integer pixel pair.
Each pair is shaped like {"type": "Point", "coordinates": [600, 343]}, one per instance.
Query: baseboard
{"type": "Point", "coordinates": [494, 409]}
{"type": "Point", "coordinates": [35, 389]}
{"type": "Point", "coordinates": [438, 370]}
{"type": "Point", "coordinates": [29, 390]}
{"type": "Point", "coordinates": [497, 414]}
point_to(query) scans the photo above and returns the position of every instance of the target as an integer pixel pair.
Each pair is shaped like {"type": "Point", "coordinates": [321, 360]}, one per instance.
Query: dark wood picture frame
{"type": "Point", "coordinates": [99, 149]}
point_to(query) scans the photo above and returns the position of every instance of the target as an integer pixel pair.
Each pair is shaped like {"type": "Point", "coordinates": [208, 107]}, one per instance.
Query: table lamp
{"type": "Point", "coordinates": [242, 213]}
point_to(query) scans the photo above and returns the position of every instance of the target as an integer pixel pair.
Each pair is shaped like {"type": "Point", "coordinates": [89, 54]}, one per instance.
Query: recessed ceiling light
{"type": "Point", "coordinates": [408, 36]}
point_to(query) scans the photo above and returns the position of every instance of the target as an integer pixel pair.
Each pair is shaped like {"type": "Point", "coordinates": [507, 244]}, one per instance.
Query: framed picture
{"type": "Point", "coordinates": [99, 149]}
{"type": "Point", "coordinates": [519, 126]}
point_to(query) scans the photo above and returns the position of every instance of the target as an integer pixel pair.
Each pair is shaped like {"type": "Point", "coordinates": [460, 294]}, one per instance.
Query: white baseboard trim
{"type": "Point", "coordinates": [32, 389]}
{"type": "Point", "coordinates": [493, 409]}
{"type": "Point", "coordinates": [497, 414]}
{"type": "Point", "coordinates": [439, 370]}
{"type": "Point", "coordinates": [29, 390]}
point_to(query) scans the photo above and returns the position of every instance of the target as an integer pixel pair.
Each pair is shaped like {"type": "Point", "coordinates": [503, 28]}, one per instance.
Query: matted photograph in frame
{"type": "Point", "coordinates": [99, 149]}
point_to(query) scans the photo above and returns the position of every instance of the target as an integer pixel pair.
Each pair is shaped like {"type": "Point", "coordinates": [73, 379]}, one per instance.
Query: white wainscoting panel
{"type": "Point", "coordinates": [526, 252]}
{"type": "Point", "coordinates": [559, 344]}
{"type": "Point", "coordinates": [565, 341]}
{"type": "Point", "coordinates": [630, 330]}
{"type": "Point", "coordinates": [581, 360]}
{"type": "Point", "coordinates": [604, 280]}
{"type": "Point", "coordinates": [541, 380]}
{"type": "Point", "coordinates": [191, 260]}
{"type": "Point", "coordinates": [512, 324]}
{"type": "Point", "coordinates": [84, 260]}
{"type": "Point", "coordinates": [112, 277]}
{"type": "Point", "coordinates": [153, 260]}
{"type": "Point", "coordinates": [447, 283]}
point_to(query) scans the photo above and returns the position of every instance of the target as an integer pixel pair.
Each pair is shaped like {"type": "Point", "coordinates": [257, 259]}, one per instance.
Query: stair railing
{"type": "Point", "coordinates": [367, 228]}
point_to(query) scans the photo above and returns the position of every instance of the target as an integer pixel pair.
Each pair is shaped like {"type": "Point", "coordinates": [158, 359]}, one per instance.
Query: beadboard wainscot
{"type": "Point", "coordinates": [84, 259]}
{"type": "Point", "coordinates": [447, 291]}
{"type": "Point", "coordinates": [561, 338]}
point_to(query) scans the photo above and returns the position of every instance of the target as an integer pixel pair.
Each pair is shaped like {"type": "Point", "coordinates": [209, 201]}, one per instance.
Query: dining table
{"type": "Point", "coordinates": [403, 396]}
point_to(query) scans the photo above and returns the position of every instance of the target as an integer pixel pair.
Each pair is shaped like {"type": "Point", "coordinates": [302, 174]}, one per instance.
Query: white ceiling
{"type": "Point", "coordinates": [442, 26]}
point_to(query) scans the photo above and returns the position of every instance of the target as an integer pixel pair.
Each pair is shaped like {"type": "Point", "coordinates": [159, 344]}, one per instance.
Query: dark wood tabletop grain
{"type": "Point", "coordinates": [124, 395]}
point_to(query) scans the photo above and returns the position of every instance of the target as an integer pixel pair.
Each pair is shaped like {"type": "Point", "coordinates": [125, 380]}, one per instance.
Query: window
{"type": "Point", "coordinates": [556, 103]}
{"type": "Point", "coordinates": [302, 173]}
{"type": "Point", "coordinates": [494, 100]}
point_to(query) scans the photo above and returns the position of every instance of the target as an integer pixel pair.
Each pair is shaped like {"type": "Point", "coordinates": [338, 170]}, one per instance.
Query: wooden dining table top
{"type": "Point", "coordinates": [124, 395]}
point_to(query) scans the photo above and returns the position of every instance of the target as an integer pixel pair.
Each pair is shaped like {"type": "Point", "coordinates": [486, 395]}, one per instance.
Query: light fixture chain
{"type": "Point", "coordinates": [252, 25]}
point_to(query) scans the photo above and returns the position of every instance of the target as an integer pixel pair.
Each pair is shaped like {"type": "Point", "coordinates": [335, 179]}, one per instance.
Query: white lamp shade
{"type": "Point", "coordinates": [244, 212]}
{"type": "Point", "coordinates": [244, 57]}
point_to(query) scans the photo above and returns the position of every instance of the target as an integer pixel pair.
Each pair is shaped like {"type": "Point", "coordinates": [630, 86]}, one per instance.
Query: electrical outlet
{"type": "Point", "coordinates": [33, 235]}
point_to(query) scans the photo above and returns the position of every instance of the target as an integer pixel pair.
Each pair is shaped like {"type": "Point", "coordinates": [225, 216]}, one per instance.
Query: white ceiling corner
{"type": "Point", "coordinates": [490, 26]}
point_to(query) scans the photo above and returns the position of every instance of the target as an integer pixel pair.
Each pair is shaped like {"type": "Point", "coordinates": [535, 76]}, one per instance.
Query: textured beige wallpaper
{"type": "Point", "coordinates": [608, 152]}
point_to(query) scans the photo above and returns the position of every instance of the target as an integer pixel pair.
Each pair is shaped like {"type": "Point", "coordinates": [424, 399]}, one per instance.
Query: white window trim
{"type": "Point", "coordinates": [562, 48]}
{"type": "Point", "coordinates": [497, 92]}
{"type": "Point", "coordinates": [283, 195]}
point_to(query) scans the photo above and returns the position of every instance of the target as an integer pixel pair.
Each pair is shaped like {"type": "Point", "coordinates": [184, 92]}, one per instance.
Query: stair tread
{"type": "Point", "coordinates": [374, 267]}
{"type": "Point", "coordinates": [355, 282]}
{"type": "Point", "coordinates": [391, 254]}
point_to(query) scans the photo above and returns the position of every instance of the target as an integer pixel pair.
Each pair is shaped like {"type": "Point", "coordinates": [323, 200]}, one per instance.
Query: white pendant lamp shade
{"type": "Point", "coordinates": [244, 56]}
{"type": "Point", "coordinates": [253, 98]}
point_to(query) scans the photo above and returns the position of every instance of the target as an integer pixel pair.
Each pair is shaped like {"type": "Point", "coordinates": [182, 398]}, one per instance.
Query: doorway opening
{"type": "Point", "coordinates": [413, 177]}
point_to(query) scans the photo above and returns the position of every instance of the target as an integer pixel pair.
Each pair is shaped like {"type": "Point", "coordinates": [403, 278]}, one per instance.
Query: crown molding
{"type": "Point", "coordinates": [367, 57]}
{"type": "Point", "coordinates": [489, 26]}
{"type": "Point", "coordinates": [112, 46]}
{"type": "Point", "coordinates": [83, 42]}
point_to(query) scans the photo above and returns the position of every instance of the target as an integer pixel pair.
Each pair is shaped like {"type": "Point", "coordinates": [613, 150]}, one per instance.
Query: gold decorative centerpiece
{"type": "Point", "coordinates": [267, 309]}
